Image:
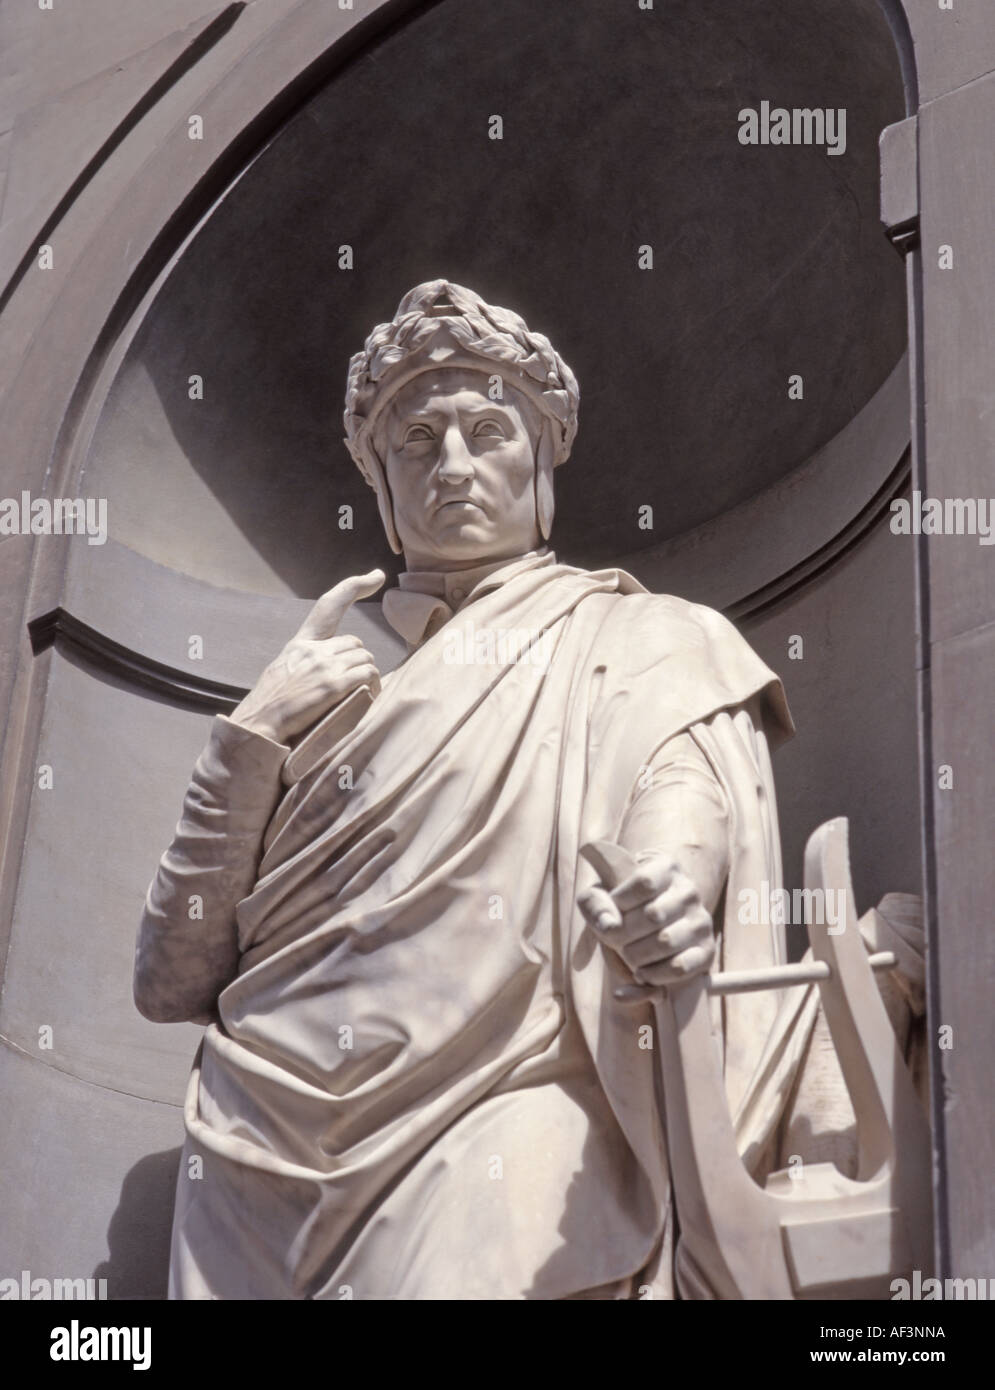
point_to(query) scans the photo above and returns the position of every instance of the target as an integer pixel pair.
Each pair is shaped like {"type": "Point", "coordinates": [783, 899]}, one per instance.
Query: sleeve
{"type": "Point", "coordinates": [678, 808]}
{"type": "Point", "coordinates": [187, 949]}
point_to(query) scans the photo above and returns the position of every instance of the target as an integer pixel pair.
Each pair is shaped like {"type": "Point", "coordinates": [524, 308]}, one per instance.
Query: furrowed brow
{"type": "Point", "coordinates": [493, 408]}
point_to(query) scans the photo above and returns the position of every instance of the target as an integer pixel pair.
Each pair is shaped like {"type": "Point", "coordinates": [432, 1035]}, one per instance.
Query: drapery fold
{"type": "Point", "coordinates": [418, 1000]}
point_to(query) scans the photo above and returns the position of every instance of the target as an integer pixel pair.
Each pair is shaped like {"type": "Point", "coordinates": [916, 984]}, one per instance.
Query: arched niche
{"type": "Point", "coordinates": [696, 466]}
{"type": "Point", "coordinates": [767, 263]}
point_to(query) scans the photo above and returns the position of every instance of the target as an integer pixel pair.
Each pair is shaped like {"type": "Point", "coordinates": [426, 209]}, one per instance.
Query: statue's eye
{"type": "Point", "coordinates": [488, 429]}
{"type": "Point", "coordinates": [417, 434]}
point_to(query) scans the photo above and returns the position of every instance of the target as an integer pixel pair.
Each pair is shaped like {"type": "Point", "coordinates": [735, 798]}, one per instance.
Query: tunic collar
{"type": "Point", "coordinates": [426, 599]}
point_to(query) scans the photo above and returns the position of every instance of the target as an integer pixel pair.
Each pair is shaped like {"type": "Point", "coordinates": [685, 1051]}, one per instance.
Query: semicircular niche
{"type": "Point", "coordinates": [620, 132]}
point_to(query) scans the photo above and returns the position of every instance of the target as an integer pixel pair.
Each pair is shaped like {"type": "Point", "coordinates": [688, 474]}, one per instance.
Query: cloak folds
{"type": "Point", "coordinates": [419, 1084]}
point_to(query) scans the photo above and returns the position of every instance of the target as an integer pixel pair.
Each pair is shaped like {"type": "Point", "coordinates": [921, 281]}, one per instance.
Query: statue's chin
{"type": "Point", "coordinates": [460, 530]}
{"type": "Point", "coordinates": [463, 535]}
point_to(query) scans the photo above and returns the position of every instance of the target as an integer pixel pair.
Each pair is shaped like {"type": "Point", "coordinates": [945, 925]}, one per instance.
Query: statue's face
{"type": "Point", "coordinates": [460, 468]}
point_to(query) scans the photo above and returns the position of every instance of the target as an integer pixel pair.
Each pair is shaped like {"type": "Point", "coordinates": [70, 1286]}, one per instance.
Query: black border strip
{"type": "Point", "coordinates": [786, 585]}
{"type": "Point", "coordinates": [61, 630]}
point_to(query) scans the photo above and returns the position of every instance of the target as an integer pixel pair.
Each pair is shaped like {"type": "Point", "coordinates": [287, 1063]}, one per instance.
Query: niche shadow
{"type": "Point", "coordinates": [139, 1232]}
{"type": "Point", "coordinates": [682, 370]}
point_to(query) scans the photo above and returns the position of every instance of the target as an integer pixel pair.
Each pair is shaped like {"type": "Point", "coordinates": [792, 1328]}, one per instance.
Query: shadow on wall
{"type": "Point", "coordinates": [629, 140]}
{"type": "Point", "coordinates": [139, 1233]}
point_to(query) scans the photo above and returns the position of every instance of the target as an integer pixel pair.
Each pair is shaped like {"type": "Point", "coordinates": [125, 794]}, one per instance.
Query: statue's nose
{"type": "Point", "coordinates": [455, 460]}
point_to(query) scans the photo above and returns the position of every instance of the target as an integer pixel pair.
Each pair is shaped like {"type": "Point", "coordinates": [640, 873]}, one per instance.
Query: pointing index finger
{"type": "Point", "coordinates": [328, 612]}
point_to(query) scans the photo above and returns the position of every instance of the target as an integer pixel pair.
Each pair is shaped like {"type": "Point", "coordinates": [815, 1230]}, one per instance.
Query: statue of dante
{"type": "Point", "coordinates": [428, 1068]}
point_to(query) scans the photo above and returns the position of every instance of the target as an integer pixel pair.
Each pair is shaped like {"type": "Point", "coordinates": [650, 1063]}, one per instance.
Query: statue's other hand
{"type": "Point", "coordinates": [655, 921]}
{"type": "Point", "coordinates": [316, 669]}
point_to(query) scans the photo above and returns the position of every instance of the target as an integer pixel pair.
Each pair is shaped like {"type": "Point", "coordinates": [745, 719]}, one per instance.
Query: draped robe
{"type": "Point", "coordinates": [419, 1083]}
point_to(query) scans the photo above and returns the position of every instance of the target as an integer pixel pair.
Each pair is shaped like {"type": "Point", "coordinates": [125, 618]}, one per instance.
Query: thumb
{"type": "Point", "coordinates": [328, 612]}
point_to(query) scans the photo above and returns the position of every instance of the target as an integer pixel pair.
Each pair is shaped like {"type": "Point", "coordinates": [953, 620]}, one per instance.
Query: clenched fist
{"type": "Point", "coordinates": [315, 670]}
{"type": "Point", "coordinates": [656, 922]}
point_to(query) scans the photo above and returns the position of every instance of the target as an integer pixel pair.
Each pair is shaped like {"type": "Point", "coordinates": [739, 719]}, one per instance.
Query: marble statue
{"type": "Point", "coordinates": [430, 1066]}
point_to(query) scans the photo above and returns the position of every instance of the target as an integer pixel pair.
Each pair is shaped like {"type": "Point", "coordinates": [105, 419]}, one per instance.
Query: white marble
{"type": "Point", "coordinates": [455, 920]}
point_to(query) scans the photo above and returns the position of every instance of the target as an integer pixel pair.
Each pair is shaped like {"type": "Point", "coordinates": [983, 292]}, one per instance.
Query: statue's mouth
{"type": "Point", "coordinates": [459, 502]}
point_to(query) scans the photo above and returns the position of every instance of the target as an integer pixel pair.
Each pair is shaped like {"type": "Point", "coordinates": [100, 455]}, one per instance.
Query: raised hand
{"type": "Point", "coordinates": [316, 669]}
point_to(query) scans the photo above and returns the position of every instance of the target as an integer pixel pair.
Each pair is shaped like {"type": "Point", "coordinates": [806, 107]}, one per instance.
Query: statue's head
{"type": "Point", "coordinates": [457, 414]}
